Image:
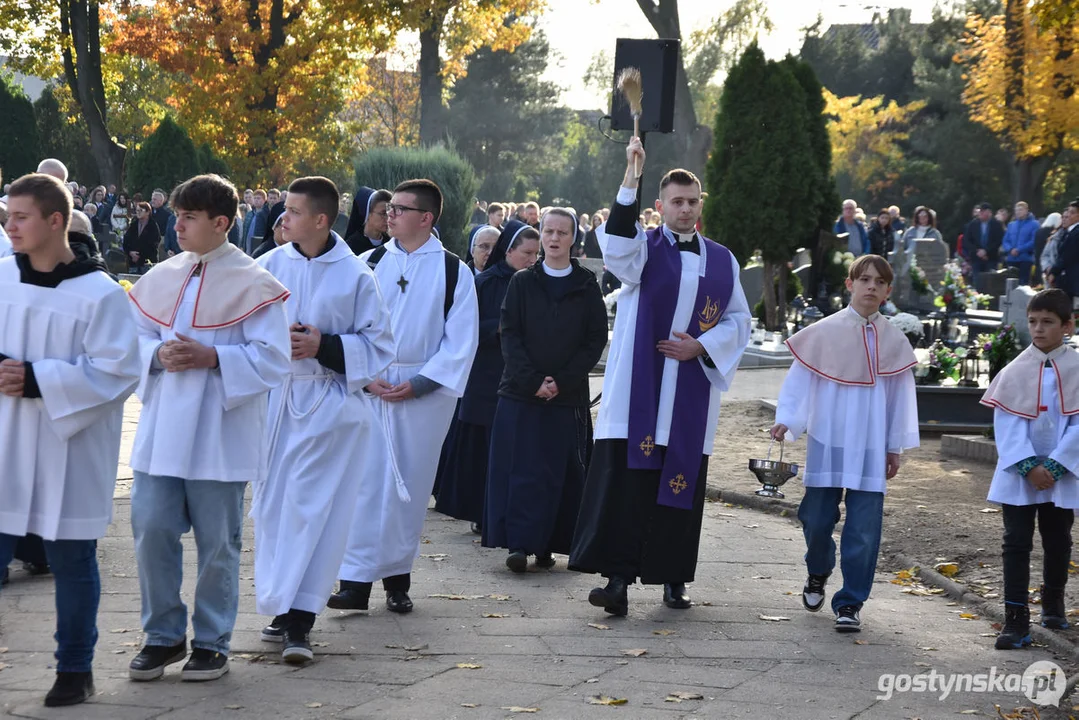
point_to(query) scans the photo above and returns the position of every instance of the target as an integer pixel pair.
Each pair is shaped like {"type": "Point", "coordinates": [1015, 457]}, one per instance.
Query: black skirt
{"type": "Point", "coordinates": [536, 476]}
{"type": "Point", "coordinates": [621, 530]}
{"type": "Point", "coordinates": [463, 472]}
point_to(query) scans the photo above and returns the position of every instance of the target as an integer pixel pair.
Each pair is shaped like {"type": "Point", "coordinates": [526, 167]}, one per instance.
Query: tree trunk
{"type": "Point", "coordinates": [80, 23]}
{"type": "Point", "coordinates": [1028, 181]}
{"type": "Point", "coordinates": [781, 299]}
{"type": "Point", "coordinates": [432, 123]}
{"type": "Point", "coordinates": [693, 141]}
{"type": "Point", "coordinates": [770, 295]}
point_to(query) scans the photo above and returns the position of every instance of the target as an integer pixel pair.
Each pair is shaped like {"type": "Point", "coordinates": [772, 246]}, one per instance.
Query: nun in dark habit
{"type": "Point", "coordinates": [482, 240]}
{"type": "Point", "coordinates": [463, 470]}
{"type": "Point", "coordinates": [367, 224]}
{"type": "Point", "coordinates": [554, 329]}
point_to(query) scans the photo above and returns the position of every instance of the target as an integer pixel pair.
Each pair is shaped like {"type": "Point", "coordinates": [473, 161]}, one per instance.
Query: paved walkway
{"type": "Point", "coordinates": [532, 641]}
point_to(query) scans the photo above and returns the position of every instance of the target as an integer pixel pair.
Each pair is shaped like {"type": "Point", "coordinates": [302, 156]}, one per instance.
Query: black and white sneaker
{"type": "Point", "coordinates": [275, 631]}
{"type": "Point", "coordinates": [297, 646]}
{"type": "Point", "coordinates": [204, 665]}
{"type": "Point", "coordinates": [813, 592]}
{"type": "Point", "coordinates": [150, 663]}
{"type": "Point", "coordinates": [847, 620]}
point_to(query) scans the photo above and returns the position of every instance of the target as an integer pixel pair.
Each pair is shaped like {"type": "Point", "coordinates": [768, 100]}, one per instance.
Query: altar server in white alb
{"type": "Point", "coordinates": [1036, 425]}
{"type": "Point", "coordinates": [68, 360]}
{"type": "Point", "coordinates": [434, 317]}
{"type": "Point", "coordinates": [321, 424]}
{"type": "Point", "coordinates": [213, 340]}
{"type": "Point", "coordinates": [851, 392]}
{"type": "Point", "coordinates": [682, 325]}
{"type": "Point", "coordinates": [5, 241]}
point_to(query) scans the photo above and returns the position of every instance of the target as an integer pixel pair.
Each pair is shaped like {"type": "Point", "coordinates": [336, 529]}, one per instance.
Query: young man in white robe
{"type": "Point", "coordinates": [321, 424]}
{"type": "Point", "coordinates": [851, 392]}
{"type": "Point", "coordinates": [68, 360]}
{"type": "Point", "coordinates": [435, 333]}
{"type": "Point", "coordinates": [1036, 426]}
{"type": "Point", "coordinates": [213, 342]}
{"type": "Point", "coordinates": [682, 325]}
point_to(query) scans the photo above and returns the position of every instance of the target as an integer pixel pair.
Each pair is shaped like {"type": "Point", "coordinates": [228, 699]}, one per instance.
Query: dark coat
{"type": "Point", "coordinates": [481, 394]}
{"type": "Point", "coordinates": [542, 336]}
{"type": "Point", "coordinates": [973, 240]}
{"type": "Point", "coordinates": [161, 217]}
{"type": "Point", "coordinates": [1066, 269]}
{"type": "Point", "coordinates": [144, 243]}
{"type": "Point", "coordinates": [881, 240]}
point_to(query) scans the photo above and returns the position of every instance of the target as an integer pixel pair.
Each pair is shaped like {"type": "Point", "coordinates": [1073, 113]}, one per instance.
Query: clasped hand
{"type": "Point", "coordinates": [684, 348]}
{"type": "Point", "coordinates": [185, 353]}
{"type": "Point", "coordinates": [548, 390]}
{"type": "Point", "coordinates": [12, 377]}
{"type": "Point", "coordinates": [305, 341]}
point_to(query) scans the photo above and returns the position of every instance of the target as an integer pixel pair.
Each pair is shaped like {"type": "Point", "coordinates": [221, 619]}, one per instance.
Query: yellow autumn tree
{"type": "Point", "coordinates": [867, 136]}
{"type": "Point", "coordinates": [1022, 70]}
{"type": "Point", "coordinates": [262, 81]}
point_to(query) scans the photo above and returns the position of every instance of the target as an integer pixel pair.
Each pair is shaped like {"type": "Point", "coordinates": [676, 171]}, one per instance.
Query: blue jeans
{"type": "Point", "coordinates": [78, 592]}
{"type": "Point", "coordinates": [163, 509]}
{"type": "Point", "coordinates": [860, 542]}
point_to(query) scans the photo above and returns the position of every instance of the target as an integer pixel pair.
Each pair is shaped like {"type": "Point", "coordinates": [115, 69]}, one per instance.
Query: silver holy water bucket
{"type": "Point", "coordinates": [772, 473]}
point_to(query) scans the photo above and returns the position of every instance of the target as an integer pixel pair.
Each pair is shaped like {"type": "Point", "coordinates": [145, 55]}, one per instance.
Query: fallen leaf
{"type": "Point", "coordinates": [443, 596]}
{"type": "Point", "coordinates": [968, 616]}
{"type": "Point", "coordinates": [677, 697]}
{"type": "Point", "coordinates": [635, 652]}
{"type": "Point", "coordinates": [663, 632]}
{"type": "Point", "coordinates": [599, 626]}
{"type": "Point", "coordinates": [469, 666]}
{"type": "Point", "coordinates": [499, 597]}
{"type": "Point", "coordinates": [3, 665]}
{"type": "Point", "coordinates": [723, 514]}
{"type": "Point", "coordinates": [519, 709]}
{"type": "Point", "coordinates": [923, 664]}
{"type": "Point", "coordinates": [928, 648]}
{"type": "Point", "coordinates": [313, 705]}
{"type": "Point", "coordinates": [921, 507]}
{"type": "Point", "coordinates": [469, 705]}
{"type": "Point", "coordinates": [773, 618]}
{"type": "Point", "coordinates": [621, 662]}
{"type": "Point", "coordinates": [392, 647]}
{"type": "Point", "coordinates": [861, 642]}
{"type": "Point", "coordinates": [989, 510]}
{"type": "Point", "coordinates": [969, 712]}
{"type": "Point", "coordinates": [761, 577]}
{"type": "Point", "coordinates": [234, 707]}
{"type": "Point", "coordinates": [435, 556]}
{"type": "Point", "coordinates": [604, 700]}
{"type": "Point", "coordinates": [592, 680]}
{"type": "Point", "coordinates": [118, 631]}
{"type": "Point", "coordinates": [750, 527]}
{"type": "Point", "coordinates": [987, 634]}
{"type": "Point", "coordinates": [416, 648]}
{"type": "Point", "coordinates": [119, 652]}
{"type": "Point", "coordinates": [947, 569]}
{"type": "Point", "coordinates": [707, 603]}
{"type": "Point", "coordinates": [3, 650]}
{"type": "Point", "coordinates": [123, 644]}
{"type": "Point", "coordinates": [493, 615]}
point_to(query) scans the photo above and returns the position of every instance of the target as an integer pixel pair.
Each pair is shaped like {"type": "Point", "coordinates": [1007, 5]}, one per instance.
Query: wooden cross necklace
{"type": "Point", "coordinates": [402, 283]}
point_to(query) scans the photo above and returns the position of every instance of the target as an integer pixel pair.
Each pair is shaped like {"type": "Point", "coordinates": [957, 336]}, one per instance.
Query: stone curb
{"type": "Point", "coordinates": [787, 508]}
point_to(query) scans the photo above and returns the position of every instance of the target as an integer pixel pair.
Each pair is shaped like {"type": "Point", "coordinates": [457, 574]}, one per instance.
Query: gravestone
{"type": "Point", "coordinates": [931, 255]}
{"type": "Point", "coordinates": [802, 257]}
{"type": "Point", "coordinates": [803, 274]}
{"type": "Point", "coordinates": [752, 279]}
{"type": "Point", "coordinates": [595, 265]}
{"type": "Point", "coordinates": [994, 284]}
{"type": "Point", "coordinates": [1014, 306]}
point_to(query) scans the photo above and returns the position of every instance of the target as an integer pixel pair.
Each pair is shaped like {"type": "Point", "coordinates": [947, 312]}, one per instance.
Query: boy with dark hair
{"type": "Point", "coordinates": [322, 426]}
{"type": "Point", "coordinates": [67, 363]}
{"type": "Point", "coordinates": [496, 215]}
{"type": "Point", "coordinates": [1035, 402]}
{"type": "Point", "coordinates": [851, 391]}
{"type": "Point", "coordinates": [434, 317]}
{"type": "Point", "coordinates": [213, 341]}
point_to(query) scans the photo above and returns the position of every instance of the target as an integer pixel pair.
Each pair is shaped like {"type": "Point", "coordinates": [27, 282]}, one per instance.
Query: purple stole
{"type": "Point", "coordinates": [661, 278]}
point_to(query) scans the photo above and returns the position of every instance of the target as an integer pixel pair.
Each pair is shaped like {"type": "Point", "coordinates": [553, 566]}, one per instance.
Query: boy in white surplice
{"type": "Point", "coordinates": [1036, 423]}
{"type": "Point", "coordinates": [68, 360]}
{"type": "Point", "coordinates": [322, 426]}
{"type": "Point", "coordinates": [213, 340]}
{"type": "Point", "coordinates": [851, 391]}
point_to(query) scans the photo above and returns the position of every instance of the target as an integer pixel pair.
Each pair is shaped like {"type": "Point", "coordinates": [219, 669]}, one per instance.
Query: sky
{"type": "Point", "coordinates": [578, 29]}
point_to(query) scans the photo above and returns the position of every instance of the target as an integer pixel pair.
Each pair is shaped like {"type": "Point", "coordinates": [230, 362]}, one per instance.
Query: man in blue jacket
{"type": "Point", "coordinates": [1018, 245]}
{"type": "Point", "coordinates": [857, 236]}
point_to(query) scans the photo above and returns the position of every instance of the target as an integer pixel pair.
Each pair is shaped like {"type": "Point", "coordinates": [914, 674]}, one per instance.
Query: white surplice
{"type": "Point", "coordinates": [849, 429]}
{"type": "Point", "coordinates": [5, 244]}
{"type": "Point", "coordinates": [60, 451]}
{"type": "Point", "coordinates": [322, 427]}
{"type": "Point", "coordinates": [385, 534]}
{"type": "Point", "coordinates": [725, 343]}
{"type": "Point", "coordinates": [209, 424]}
{"type": "Point", "coordinates": [1052, 435]}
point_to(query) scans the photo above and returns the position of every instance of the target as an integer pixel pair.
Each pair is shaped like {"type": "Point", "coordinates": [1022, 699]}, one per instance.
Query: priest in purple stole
{"type": "Point", "coordinates": [682, 325]}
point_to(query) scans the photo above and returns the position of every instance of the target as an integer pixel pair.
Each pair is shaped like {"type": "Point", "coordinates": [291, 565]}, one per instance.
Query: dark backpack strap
{"type": "Point", "coordinates": [453, 269]}
{"type": "Point", "coordinates": [376, 256]}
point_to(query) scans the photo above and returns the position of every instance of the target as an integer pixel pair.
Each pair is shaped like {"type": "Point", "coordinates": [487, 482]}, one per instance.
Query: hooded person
{"type": "Point", "coordinates": [462, 472]}
{"type": "Point", "coordinates": [367, 223]}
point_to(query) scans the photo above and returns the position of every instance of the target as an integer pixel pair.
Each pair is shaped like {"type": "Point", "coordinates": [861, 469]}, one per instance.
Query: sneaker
{"type": "Point", "coordinates": [813, 592]}
{"type": "Point", "coordinates": [70, 688]}
{"type": "Point", "coordinates": [204, 665]}
{"type": "Point", "coordinates": [847, 620]}
{"type": "Point", "coordinates": [517, 562]}
{"type": "Point", "coordinates": [150, 663]}
{"type": "Point", "coordinates": [297, 646]}
{"type": "Point", "coordinates": [275, 631]}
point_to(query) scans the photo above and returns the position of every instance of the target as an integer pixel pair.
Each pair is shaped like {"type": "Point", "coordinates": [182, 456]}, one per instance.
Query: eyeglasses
{"type": "Point", "coordinates": [485, 247]}
{"type": "Point", "coordinates": [396, 210]}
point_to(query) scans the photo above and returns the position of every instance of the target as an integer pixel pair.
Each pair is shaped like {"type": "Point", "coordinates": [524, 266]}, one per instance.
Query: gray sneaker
{"type": "Point", "coordinates": [813, 592]}
{"type": "Point", "coordinates": [847, 620]}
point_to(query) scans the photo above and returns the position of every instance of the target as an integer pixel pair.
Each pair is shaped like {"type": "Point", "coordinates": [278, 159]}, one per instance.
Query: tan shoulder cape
{"type": "Point", "coordinates": [1017, 389]}
{"type": "Point", "coordinates": [233, 288]}
{"type": "Point", "coordinates": [837, 349]}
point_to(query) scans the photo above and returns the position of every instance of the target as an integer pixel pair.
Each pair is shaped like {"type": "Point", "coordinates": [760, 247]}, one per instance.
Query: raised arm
{"type": "Point", "coordinates": [621, 238]}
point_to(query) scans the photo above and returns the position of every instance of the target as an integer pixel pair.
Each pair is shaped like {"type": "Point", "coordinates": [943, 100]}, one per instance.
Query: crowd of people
{"type": "Point", "coordinates": [1038, 252]}
{"type": "Point", "coordinates": [348, 376]}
